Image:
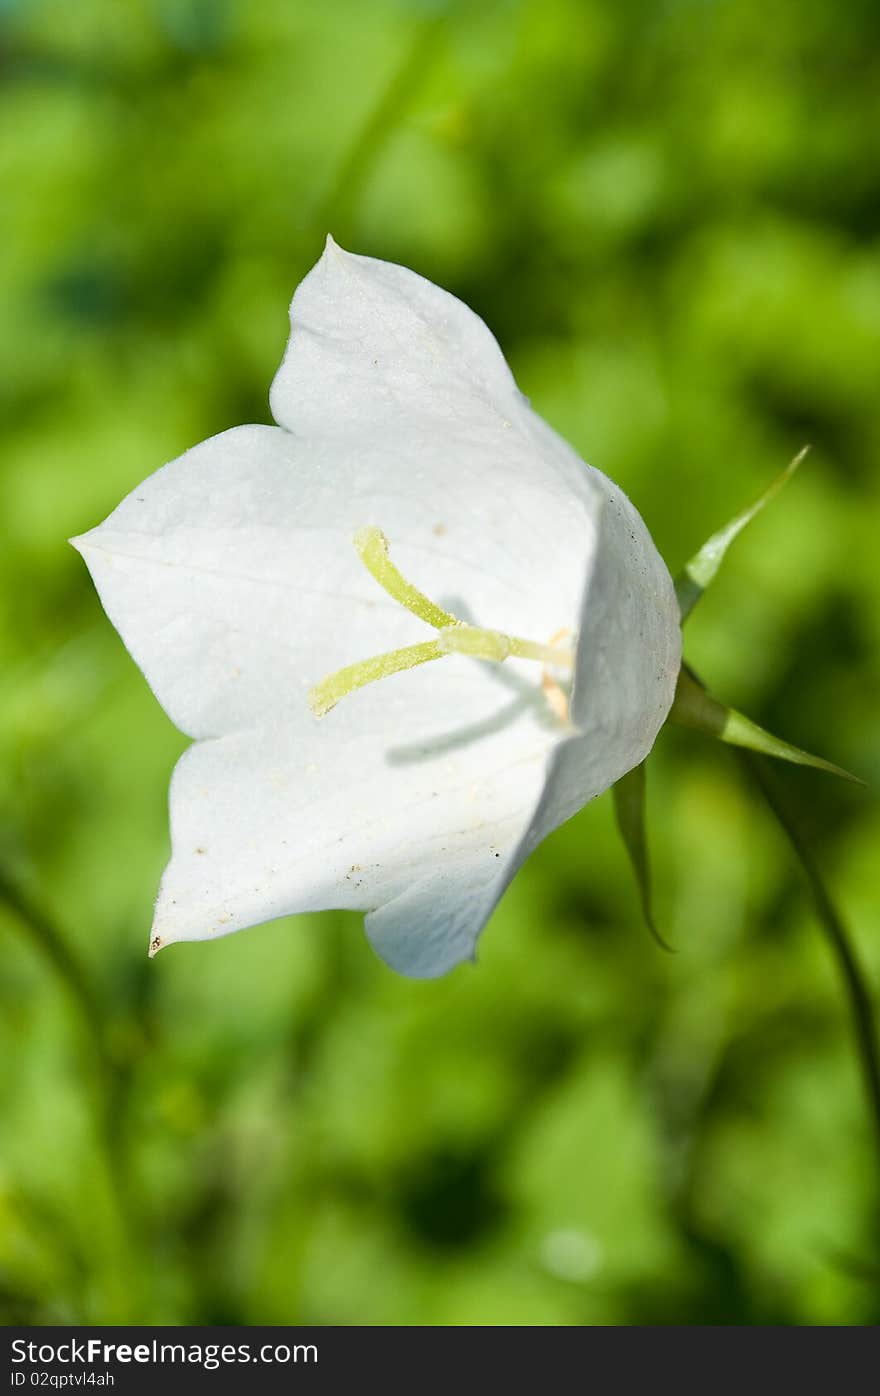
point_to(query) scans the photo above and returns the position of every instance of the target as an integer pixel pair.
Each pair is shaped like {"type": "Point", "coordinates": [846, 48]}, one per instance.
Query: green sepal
{"type": "Point", "coordinates": [629, 807]}
{"type": "Point", "coordinates": [703, 566]}
{"type": "Point", "coordinates": [694, 707]}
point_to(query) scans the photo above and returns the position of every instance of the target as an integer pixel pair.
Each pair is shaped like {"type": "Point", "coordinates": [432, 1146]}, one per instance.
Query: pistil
{"type": "Point", "coordinates": [454, 636]}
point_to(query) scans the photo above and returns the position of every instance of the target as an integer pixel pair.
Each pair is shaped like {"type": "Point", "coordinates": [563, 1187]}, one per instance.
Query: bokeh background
{"type": "Point", "coordinates": [668, 213]}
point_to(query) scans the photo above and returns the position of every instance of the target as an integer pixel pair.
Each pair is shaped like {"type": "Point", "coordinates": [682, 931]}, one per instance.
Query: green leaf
{"type": "Point", "coordinates": [703, 566]}
{"type": "Point", "coordinates": [629, 807]}
{"type": "Point", "coordinates": [694, 707]}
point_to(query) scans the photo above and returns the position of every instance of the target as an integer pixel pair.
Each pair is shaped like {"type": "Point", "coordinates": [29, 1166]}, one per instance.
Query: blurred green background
{"type": "Point", "coordinates": [668, 213]}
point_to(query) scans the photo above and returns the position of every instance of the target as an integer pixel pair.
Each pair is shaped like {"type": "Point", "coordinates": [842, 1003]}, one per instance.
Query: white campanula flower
{"type": "Point", "coordinates": [410, 631]}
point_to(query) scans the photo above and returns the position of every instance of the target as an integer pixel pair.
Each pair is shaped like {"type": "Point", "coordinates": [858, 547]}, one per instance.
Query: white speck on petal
{"type": "Point", "coordinates": [233, 580]}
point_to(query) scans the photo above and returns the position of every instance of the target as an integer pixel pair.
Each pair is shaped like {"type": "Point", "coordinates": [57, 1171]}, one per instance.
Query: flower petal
{"type": "Point", "coordinates": [629, 656]}
{"type": "Point", "coordinates": [232, 576]}
{"type": "Point", "coordinates": [434, 923]}
{"type": "Point", "coordinates": [382, 343]}
{"type": "Point", "coordinates": [387, 370]}
{"type": "Point", "coordinates": [349, 811]}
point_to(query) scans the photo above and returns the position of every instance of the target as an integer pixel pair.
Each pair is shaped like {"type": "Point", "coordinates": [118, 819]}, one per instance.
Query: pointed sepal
{"type": "Point", "coordinates": [693, 580]}
{"type": "Point", "coordinates": [629, 807]}
{"type": "Point", "coordinates": [694, 707]}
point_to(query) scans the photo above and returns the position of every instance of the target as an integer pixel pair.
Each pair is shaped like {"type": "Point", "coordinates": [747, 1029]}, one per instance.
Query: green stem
{"type": "Point", "coordinates": [68, 968]}
{"type": "Point", "coordinates": [111, 1077]}
{"type": "Point", "coordinates": [333, 214]}
{"type": "Point", "coordinates": [856, 988]}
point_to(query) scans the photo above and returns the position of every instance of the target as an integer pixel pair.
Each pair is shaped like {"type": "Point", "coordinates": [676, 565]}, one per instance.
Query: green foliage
{"type": "Point", "coordinates": [668, 214]}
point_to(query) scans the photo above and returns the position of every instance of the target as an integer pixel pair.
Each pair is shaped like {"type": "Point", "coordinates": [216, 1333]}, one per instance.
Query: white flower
{"type": "Point", "coordinates": [251, 570]}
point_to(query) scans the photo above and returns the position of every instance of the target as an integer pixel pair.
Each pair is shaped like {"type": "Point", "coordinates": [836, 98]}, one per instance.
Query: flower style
{"type": "Point", "coordinates": [409, 629]}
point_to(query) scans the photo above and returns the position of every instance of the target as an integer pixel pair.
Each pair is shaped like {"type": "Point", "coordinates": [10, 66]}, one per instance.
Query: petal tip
{"type": "Point", "coordinates": [87, 542]}
{"type": "Point", "coordinates": [333, 252]}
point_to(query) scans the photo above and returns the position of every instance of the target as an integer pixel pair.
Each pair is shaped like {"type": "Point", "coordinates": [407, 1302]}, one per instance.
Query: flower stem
{"type": "Point", "coordinates": [68, 968]}
{"type": "Point", "coordinates": [857, 992]}
{"type": "Point", "coordinates": [110, 1077]}
{"type": "Point", "coordinates": [334, 210]}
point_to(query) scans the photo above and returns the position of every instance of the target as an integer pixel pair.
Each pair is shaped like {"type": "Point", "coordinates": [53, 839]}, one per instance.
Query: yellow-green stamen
{"type": "Point", "coordinates": [494, 645]}
{"type": "Point", "coordinates": [372, 549]}
{"type": "Point", "coordinates": [326, 694]}
{"type": "Point", "coordinates": [453, 635]}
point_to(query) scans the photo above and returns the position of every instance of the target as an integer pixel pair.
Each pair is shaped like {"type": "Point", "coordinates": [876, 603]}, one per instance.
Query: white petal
{"type": "Point", "coordinates": [434, 923]}
{"type": "Point", "coordinates": [380, 342]}
{"type": "Point", "coordinates": [232, 577]}
{"type": "Point", "coordinates": [386, 369]}
{"type": "Point", "coordinates": [629, 655]}
{"type": "Point", "coordinates": [406, 801]}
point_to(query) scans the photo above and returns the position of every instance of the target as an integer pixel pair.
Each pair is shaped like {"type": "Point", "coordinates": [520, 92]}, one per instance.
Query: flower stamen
{"type": "Point", "coordinates": [326, 694]}
{"type": "Point", "coordinates": [554, 692]}
{"type": "Point", "coordinates": [454, 636]}
{"type": "Point", "coordinates": [371, 546]}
